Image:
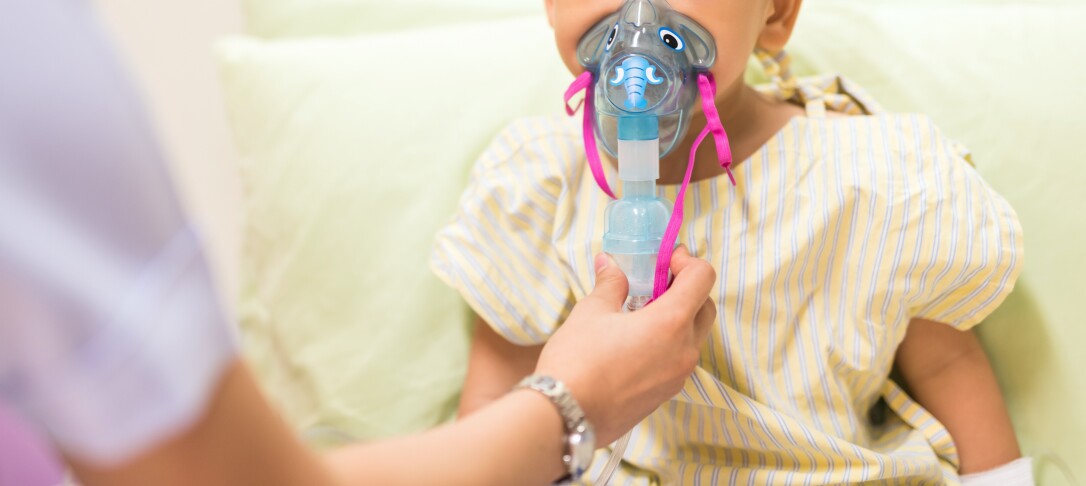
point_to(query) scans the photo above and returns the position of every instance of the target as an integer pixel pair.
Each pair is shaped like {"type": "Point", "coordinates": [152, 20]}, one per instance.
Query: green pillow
{"type": "Point", "coordinates": [353, 153]}
{"type": "Point", "coordinates": [303, 18]}
{"type": "Point", "coordinates": [300, 18]}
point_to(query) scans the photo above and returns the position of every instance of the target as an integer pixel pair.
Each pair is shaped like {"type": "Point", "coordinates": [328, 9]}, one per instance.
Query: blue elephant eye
{"type": "Point", "coordinates": [611, 38]}
{"type": "Point", "coordinates": [671, 39]}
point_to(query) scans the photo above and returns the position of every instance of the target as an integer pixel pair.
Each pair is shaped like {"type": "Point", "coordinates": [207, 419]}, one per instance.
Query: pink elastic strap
{"type": "Point", "coordinates": [707, 88]}
{"type": "Point", "coordinates": [584, 83]}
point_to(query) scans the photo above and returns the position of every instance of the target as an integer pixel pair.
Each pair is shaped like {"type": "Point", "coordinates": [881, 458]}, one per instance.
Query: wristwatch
{"type": "Point", "coordinates": [580, 436]}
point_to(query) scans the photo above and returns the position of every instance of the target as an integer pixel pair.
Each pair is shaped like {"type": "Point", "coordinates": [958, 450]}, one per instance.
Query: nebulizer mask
{"type": "Point", "coordinates": [645, 67]}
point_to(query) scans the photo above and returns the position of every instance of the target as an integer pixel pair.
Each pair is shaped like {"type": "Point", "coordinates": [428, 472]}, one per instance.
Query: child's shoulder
{"type": "Point", "coordinates": [898, 159]}
{"type": "Point", "coordinates": [544, 146]}
{"type": "Point", "coordinates": [858, 114]}
{"type": "Point", "coordinates": [897, 135]}
{"type": "Point", "coordinates": [911, 131]}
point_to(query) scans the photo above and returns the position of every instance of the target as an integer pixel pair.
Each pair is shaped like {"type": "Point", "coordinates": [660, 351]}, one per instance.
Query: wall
{"type": "Point", "coordinates": [168, 45]}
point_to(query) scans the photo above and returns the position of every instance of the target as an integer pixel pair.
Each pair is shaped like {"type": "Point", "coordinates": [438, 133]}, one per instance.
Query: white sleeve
{"type": "Point", "coordinates": [1015, 473]}
{"type": "Point", "coordinates": [112, 337]}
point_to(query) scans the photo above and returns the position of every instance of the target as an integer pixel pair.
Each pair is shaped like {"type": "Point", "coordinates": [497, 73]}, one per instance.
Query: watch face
{"type": "Point", "coordinates": [582, 446]}
{"type": "Point", "coordinates": [546, 383]}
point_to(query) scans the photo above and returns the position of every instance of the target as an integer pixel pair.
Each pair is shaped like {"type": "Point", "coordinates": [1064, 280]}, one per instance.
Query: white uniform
{"type": "Point", "coordinates": [111, 335]}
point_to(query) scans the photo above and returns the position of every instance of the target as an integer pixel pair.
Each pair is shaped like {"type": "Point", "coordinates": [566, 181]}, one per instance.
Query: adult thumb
{"type": "Point", "coordinates": [611, 284]}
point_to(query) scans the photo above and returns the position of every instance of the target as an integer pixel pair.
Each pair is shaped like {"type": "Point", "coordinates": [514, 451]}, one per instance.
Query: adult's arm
{"type": "Point", "coordinates": [516, 439]}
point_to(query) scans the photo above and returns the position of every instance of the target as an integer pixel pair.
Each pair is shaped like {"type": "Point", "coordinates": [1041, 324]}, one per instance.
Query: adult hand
{"type": "Point", "coordinates": [621, 366]}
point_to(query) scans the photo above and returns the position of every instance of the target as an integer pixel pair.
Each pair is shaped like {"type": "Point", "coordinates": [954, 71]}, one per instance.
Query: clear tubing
{"type": "Point", "coordinates": [619, 450]}
{"type": "Point", "coordinates": [609, 469]}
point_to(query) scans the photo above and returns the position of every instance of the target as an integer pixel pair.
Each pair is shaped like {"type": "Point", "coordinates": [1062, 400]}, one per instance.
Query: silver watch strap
{"type": "Point", "coordinates": [559, 394]}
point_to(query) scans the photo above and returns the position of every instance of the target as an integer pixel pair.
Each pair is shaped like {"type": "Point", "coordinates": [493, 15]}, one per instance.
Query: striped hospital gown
{"type": "Point", "coordinates": [839, 231]}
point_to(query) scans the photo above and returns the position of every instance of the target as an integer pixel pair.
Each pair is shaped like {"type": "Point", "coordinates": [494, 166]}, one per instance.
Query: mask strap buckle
{"type": "Point", "coordinates": [585, 83]}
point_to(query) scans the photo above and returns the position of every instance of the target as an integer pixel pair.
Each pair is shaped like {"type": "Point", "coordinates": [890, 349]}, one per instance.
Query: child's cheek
{"type": "Point", "coordinates": [733, 49]}
{"type": "Point", "coordinates": [729, 69]}
{"type": "Point", "coordinates": [567, 49]}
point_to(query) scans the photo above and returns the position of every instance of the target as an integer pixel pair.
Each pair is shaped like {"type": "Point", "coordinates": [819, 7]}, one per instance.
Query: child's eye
{"type": "Point", "coordinates": [671, 39]}
{"type": "Point", "coordinates": [611, 38]}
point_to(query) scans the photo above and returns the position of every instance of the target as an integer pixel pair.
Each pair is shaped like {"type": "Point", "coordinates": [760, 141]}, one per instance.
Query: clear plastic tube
{"type": "Point", "coordinates": [633, 303]}
{"type": "Point", "coordinates": [609, 469]}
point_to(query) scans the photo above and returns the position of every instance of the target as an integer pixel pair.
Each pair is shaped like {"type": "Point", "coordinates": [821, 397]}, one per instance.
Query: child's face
{"type": "Point", "coordinates": [736, 25]}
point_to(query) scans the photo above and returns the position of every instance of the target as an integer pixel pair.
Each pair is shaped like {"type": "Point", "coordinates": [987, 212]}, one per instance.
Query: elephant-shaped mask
{"type": "Point", "coordinates": [645, 60]}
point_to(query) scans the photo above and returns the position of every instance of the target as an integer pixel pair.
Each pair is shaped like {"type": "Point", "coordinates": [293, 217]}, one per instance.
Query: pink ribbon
{"type": "Point", "coordinates": [707, 88]}
{"type": "Point", "coordinates": [584, 83]}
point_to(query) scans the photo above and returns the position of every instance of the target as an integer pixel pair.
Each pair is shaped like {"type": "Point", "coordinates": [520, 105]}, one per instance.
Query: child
{"type": "Point", "coordinates": [854, 242]}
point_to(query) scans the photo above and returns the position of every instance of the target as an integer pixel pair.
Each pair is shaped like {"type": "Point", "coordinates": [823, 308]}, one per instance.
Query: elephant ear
{"type": "Point", "coordinates": [591, 47]}
{"type": "Point", "coordinates": [700, 46]}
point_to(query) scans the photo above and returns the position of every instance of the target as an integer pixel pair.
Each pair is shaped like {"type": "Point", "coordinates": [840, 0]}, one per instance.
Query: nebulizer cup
{"type": "Point", "coordinates": [635, 223]}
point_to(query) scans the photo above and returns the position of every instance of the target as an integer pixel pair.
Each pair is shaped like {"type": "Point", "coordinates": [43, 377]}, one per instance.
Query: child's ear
{"type": "Point", "coordinates": [781, 18]}
{"type": "Point", "coordinates": [549, 5]}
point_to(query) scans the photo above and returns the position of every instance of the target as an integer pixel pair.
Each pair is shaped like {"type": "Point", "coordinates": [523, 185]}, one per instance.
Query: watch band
{"type": "Point", "coordinates": [580, 438]}
{"type": "Point", "coordinates": [559, 394]}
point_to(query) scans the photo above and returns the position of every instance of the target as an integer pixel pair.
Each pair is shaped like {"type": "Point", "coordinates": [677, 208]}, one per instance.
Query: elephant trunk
{"type": "Point", "coordinates": [635, 74]}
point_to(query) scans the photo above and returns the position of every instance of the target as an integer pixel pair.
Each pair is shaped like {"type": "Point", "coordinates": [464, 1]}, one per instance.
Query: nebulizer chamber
{"type": "Point", "coordinates": [635, 223]}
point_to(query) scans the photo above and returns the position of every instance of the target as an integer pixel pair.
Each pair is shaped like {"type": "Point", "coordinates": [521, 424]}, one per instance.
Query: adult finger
{"type": "Point", "coordinates": [694, 279]}
{"type": "Point", "coordinates": [704, 322]}
{"type": "Point", "coordinates": [611, 286]}
{"type": "Point", "coordinates": [681, 259]}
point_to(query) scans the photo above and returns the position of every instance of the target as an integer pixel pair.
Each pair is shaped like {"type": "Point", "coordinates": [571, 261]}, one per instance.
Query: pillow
{"type": "Point", "coordinates": [299, 18]}
{"type": "Point", "coordinates": [353, 153]}
{"type": "Point", "coordinates": [1007, 82]}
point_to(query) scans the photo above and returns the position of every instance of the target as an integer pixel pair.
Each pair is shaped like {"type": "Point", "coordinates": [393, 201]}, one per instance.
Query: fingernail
{"type": "Point", "coordinates": [602, 262]}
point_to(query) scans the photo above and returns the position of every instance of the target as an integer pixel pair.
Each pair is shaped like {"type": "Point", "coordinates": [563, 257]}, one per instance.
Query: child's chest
{"type": "Point", "coordinates": [795, 289]}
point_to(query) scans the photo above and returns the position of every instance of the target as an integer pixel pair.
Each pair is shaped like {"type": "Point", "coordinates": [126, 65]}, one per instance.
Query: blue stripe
{"type": "Point", "coordinates": [802, 150]}
{"type": "Point", "coordinates": [834, 165]}
{"type": "Point", "coordinates": [921, 234]}
{"type": "Point", "coordinates": [482, 247]}
{"type": "Point", "coordinates": [492, 316]}
{"type": "Point", "coordinates": [502, 247]}
{"type": "Point", "coordinates": [815, 324]}
{"type": "Point", "coordinates": [984, 265]}
{"type": "Point", "coordinates": [940, 197]}
{"type": "Point", "coordinates": [722, 315]}
{"type": "Point", "coordinates": [850, 250]}
{"type": "Point", "coordinates": [905, 209]}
